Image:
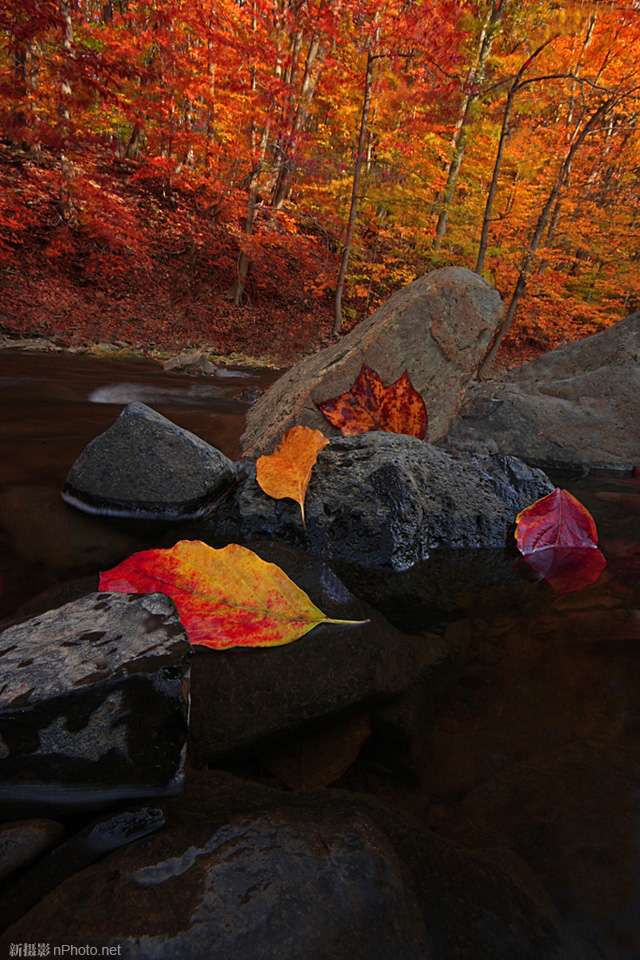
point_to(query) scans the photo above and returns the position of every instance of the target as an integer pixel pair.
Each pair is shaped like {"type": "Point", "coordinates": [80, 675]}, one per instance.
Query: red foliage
{"type": "Point", "coordinates": [557, 537]}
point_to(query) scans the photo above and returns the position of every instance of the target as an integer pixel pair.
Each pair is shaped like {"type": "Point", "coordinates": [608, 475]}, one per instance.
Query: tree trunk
{"type": "Point", "coordinates": [67, 45]}
{"type": "Point", "coordinates": [504, 134]}
{"type": "Point", "coordinates": [353, 210]}
{"type": "Point", "coordinates": [282, 186]}
{"type": "Point", "coordinates": [487, 364]}
{"type": "Point", "coordinates": [476, 76]}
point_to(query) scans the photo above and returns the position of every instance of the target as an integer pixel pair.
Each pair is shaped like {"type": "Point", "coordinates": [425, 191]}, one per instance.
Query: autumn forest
{"type": "Point", "coordinates": [257, 176]}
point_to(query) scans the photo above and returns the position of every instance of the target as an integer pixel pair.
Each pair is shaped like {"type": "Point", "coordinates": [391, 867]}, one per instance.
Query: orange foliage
{"type": "Point", "coordinates": [134, 131]}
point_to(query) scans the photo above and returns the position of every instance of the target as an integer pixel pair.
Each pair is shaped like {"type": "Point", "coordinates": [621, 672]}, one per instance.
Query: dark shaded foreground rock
{"type": "Point", "coordinates": [381, 499]}
{"type": "Point", "coordinates": [146, 466]}
{"type": "Point", "coordinates": [243, 872]}
{"type": "Point", "coordinates": [574, 407]}
{"type": "Point", "coordinates": [572, 816]}
{"type": "Point", "coordinates": [93, 703]}
{"type": "Point", "coordinates": [437, 328]}
{"type": "Point", "coordinates": [25, 840]}
{"type": "Point", "coordinates": [244, 698]}
{"type": "Point", "coordinates": [89, 844]}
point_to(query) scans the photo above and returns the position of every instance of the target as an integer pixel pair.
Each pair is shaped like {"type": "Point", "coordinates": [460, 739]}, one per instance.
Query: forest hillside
{"type": "Point", "coordinates": [256, 177]}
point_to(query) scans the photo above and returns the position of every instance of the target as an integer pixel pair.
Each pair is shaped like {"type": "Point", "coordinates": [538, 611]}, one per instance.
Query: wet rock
{"type": "Point", "coordinates": [247, 873]}
{"type": "Point", "coordinates": [437, 328]}
{"type": "Point", "coordinates": [88, 845]}
{"type": "Point", "coordinates": [382, 499]}
{"type": "Point", "coordinates": [23, 841]}
{"type": "Point", "coordinates": [577, 406]}
{"type": "Point", "coordinates": [193, 362]}
{"type": "Point", "coordinates": [93, 702]}
{"type": "Point", "coordinates": [146, 466]}
{"type": "Point", "coordinates": [245, 698]}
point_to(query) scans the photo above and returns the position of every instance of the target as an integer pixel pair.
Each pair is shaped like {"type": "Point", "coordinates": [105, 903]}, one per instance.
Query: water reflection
{"type": "Point", "coordinates": [539, 747]}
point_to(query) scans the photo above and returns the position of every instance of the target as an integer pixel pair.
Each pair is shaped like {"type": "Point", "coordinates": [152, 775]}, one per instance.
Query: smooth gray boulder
{"type": "Point", "coordinates": [437, 328]}
{"type": "Point", "coordinates": [384, 499]}
{"type": "Point", "coordinates": [94, 702]}
{"type": "Point", "coordinates": [146, 466]}
{"type": "Point", "coordinates": [577, 406]}
{"type": "Point", "coordinates": [242, 872]}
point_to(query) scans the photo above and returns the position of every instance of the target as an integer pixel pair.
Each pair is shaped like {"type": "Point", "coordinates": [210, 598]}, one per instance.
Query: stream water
{"type": "Point", "coordinates": [537, 748]}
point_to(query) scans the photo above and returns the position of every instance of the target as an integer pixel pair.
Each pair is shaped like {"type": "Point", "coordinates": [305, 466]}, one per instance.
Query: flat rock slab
{"type": "Point", "coordinates": [146, 466]}
{"type": "Point", "coordinates": [577, 406]}
{"type": "Point", "coordinates": [246, 873]}
{"type": "Point", "coordinates": [243, 699]}
{"type": "Point", "coordinates": [93, 702]}
{"type": "Point", "coordinates": [437, 328]}
{"type": "Point", "coordinates": [382, 499]}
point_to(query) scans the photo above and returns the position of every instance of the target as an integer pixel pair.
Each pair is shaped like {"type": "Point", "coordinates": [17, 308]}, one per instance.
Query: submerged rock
{"type": "Point", "coordinates": [246, 873]}
{"type": "Point", "coordinates": [246, 697]}
{"type": "Point", "coordinates": [146, 466]}
{"type": "Point", "coordinates": [382, 499]}
{"type": "Point", "coordinates": [93, 705]}
{"type": "Point", "coordinates": [577, 406]}
{"type": "Point", "coordinates": [437, 328]}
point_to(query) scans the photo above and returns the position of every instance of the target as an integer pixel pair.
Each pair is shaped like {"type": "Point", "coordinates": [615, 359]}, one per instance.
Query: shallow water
{"type": "Point", "coordinates": [538, 748]}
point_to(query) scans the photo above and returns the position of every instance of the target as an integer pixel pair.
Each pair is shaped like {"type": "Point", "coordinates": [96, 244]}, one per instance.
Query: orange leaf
{"type": "Point", "coordinates": [557, 536]}
{"type": "Point", "coordinates": [225, 598]}
{"type": "Point", "coordinates": [369, 405]}
{"type": "Point", "coordinates": [286, 472]}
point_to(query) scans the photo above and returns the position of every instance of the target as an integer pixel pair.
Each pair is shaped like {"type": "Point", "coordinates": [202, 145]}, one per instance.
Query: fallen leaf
{"type": "Point", "coordinates": [557, 520]}
{"type": "Point", "coordinates": [557, 536]}
{"type": "Point", "coordinates": [286, 472]}
{"type": "Point", "coordinates": [369, 405]}
{"type": "Point", "coordinates": [315, 760]}
{"type": "Point", "coordinates": [225, 598]}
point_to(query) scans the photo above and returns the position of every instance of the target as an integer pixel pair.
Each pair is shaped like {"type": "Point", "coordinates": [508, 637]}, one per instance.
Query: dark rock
{"type": "Point", "coordinates": [23, 841]}
{"type": "Point", "coordinates": [93, 702]}
{"type": "Point", "coordinates": [437, 328]}
{"type": "Point", "coordinates": [88, 845]}
{"type": "Point", "coordinates": [577, 406]}
{"type": "Point", "coordinates": [572, 815]}
{"type": "Point", "coordinates": [247, 873]}
{"type": "Point", "coordinates": [146, 466]}
{"type": "Point", "coordinates": [246, 697]}
{"type": "Point", "coordinates": [382, 499]}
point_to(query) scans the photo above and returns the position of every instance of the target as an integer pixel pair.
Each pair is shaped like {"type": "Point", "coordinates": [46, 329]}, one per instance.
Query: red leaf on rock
{"type": "Point", "coordinates": [369, 405]}
{"type": "Point", "coordinates": [557, 537]}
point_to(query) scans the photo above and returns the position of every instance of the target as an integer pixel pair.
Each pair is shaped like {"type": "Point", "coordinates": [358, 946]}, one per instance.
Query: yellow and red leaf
{"type": "Point", "coordinates": [225, 598]}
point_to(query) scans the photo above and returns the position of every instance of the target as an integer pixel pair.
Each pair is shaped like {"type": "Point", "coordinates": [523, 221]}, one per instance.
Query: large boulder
{"type": "Point", "coordinates": [93, 705]}
{"type": "Point", "coordinates": [246, 698]}
{"type": "Point", "coordinates": [437, 328]}
{"type": "Point", "coordinates": [576, 406]}
{"type": "Point", "coordinates": [242, 872]}
{"type": "Point", "coordinates": [384, 499]}
{"type": "Point", "coordinates": [146, 466]}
